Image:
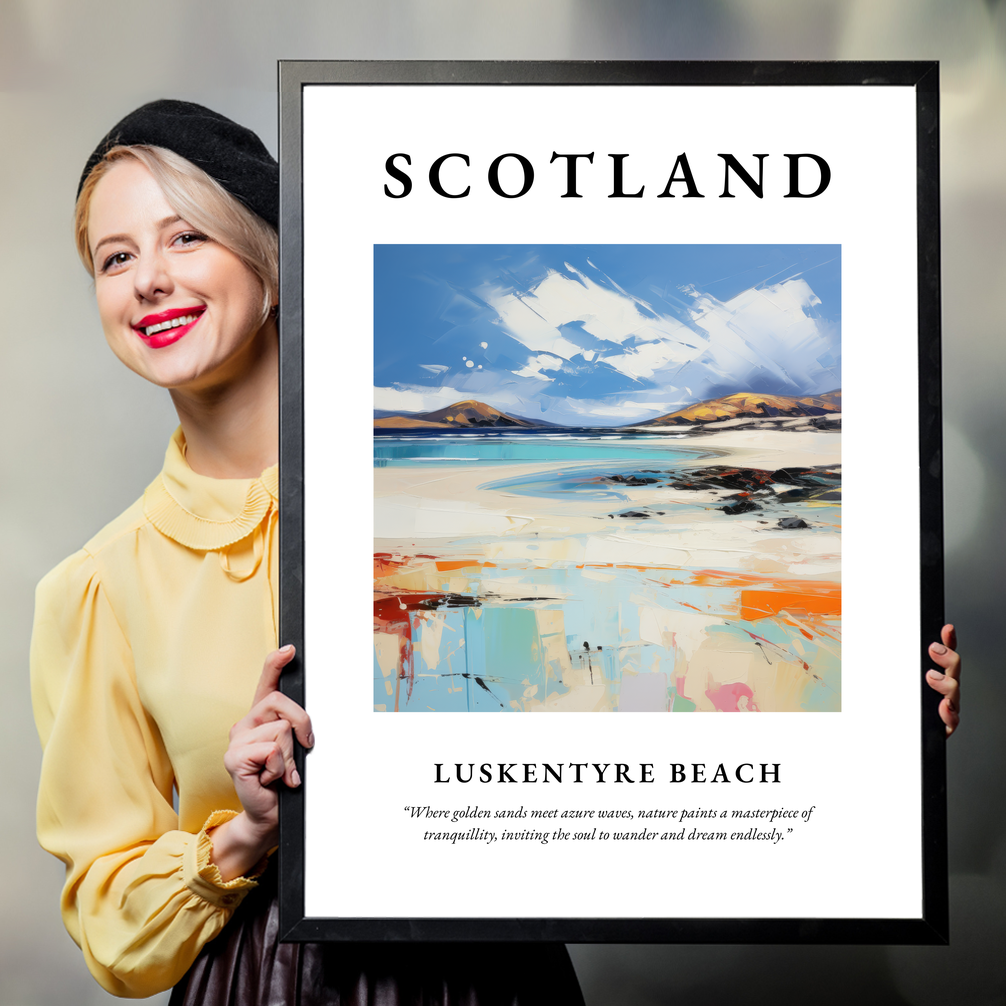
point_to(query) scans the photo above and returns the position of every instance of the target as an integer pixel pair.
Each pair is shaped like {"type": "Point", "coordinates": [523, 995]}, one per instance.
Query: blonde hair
{"type": "Point", "coordinates": [199, 200]}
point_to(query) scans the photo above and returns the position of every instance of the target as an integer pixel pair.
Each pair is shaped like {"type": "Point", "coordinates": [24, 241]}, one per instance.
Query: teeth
{"type": "Point", "coordinates": [174, 323]}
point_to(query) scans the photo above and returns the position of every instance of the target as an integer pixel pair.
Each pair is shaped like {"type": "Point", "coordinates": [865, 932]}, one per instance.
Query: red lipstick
{"type": "Point", "coordinates": [165, 332]}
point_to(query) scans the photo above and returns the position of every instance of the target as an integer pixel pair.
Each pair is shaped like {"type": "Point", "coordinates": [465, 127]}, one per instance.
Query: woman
{"type": "Point", "coordinates": [148, 643]}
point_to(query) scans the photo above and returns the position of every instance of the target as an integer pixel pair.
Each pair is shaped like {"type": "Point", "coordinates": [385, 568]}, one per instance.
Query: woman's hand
{"type": "Point", "coordinates": [947, 682]}
{"type": "Point", "coordinates": [260, 753]}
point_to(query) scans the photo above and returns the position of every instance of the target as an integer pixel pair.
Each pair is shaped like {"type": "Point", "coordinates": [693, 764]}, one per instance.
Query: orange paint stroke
{"type": "Point", "coordinates": [817, 600]}
{"type": "Point", "coordinates": [720, 578]}
{"type": "Point", "coordinates": [386, 565]}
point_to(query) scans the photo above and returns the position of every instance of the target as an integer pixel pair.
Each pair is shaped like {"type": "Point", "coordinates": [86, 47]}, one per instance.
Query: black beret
{"type": "Point", "coordinates": [230, 154]}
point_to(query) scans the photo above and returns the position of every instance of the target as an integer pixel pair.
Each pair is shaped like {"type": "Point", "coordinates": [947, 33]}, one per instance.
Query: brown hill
{"type": "Point", "coordinates": [461, 415]}
{"type": "Point", "coordinates": [746, 405]}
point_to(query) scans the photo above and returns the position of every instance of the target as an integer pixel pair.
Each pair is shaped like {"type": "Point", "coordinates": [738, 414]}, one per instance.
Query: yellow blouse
{"type": "Point", "coordinates": [147, 647]}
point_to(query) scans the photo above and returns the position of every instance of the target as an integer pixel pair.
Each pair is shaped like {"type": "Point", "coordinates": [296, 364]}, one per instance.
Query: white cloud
{"type": "Point", "coordinates": [534, 318]}
{"type": "Point", "coordinates": [619, 410]}
{"type": "Point", "coordinates": [435, 368]}
{"type": "Point", "coordinates": [416, 399]}
{"type": "Point", "coordinates": [765, 330]}
{"type": "Point", "coordinates": [527, 319]}
{"type": "Point", "coordinates": [642, 362]}
{"type": "Point", "coordinates": [537, 364]}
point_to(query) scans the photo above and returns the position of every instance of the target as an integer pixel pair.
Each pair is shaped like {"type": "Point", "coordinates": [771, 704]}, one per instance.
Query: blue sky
{"type": "Point", "coordinates": [602, 334]}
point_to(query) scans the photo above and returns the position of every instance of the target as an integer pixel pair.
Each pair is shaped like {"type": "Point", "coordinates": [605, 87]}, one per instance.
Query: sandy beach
{"type": "Point", "coordinates": [607, 595]}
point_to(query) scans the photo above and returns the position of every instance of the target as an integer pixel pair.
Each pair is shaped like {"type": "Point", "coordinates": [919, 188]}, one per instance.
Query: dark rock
{"type": "Point", "coordinates": [791, 523]}
{"type": "Point", "coordinates": [631, 480]}
{"type": "Point", "coordinates": [723, 477]}
{"type": "Point", "coordinates": [810, 477]}
{"type": "Point", "coordinates": [743, 506]}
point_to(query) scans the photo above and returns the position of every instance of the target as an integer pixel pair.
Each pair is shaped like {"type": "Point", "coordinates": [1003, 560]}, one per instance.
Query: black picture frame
{"type": "Point", "coordinates": [932, 925]}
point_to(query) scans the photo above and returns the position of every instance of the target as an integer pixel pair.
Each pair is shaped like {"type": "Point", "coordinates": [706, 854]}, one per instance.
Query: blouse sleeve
{"type": "Point", "coordinates": [141, 898]}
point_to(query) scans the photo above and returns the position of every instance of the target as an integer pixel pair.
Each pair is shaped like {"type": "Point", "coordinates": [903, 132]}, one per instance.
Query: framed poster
{"type": "Point", "coordinates": [567, 474]}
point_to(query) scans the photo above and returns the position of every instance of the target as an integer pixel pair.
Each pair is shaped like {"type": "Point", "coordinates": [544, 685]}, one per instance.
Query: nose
{"type": "Point", "coordinates": [152, 277]}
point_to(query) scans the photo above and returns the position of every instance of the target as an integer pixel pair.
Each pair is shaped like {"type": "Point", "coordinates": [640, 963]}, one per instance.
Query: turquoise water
{"type": "Point", "coordinates": [495, 448]}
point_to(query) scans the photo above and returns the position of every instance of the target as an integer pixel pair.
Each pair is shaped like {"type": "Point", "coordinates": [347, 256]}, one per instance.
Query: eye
{"type": "Point", "coordinates": [115, 261]}
{"type": "Point", "coordinates": [189, 239]}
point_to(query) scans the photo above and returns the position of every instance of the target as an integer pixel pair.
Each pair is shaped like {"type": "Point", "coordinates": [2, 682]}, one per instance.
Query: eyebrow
{"type": "Point", "coordinates": [160, 225]}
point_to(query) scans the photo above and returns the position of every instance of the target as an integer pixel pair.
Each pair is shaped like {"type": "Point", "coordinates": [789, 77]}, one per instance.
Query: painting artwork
{"type": "Point", "coordinates": [607, 478]}
{"type": "Point", "coordinates": [609, 460]}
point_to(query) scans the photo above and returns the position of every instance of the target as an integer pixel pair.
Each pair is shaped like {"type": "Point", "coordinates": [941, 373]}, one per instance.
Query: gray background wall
{"type": "Point", "coordinates": [82, 436]}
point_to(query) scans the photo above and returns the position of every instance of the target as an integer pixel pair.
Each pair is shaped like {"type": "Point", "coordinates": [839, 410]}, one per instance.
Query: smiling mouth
{"type": "Point", "coordinates": [167, 322]}
{"type": "Point", "coordinates": [185, 319]}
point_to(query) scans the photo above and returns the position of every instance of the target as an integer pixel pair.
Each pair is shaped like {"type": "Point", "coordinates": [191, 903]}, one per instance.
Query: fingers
{"type": "Point", "coordinates": [951, 718]}
{"type": "Point", "coordinates": [262, 761]}
{"type": "Point", "coordinates": [261, 749]}
{"type": "Point", "coordinates": [949, 688]}
{"type": "Point", "coordinates": [947, 680]}
{"type": "Point", "coordinates": [271, 670]}
{"type": "Point", "coordinates": [277, 706]}
{"type": "Point", "coordinates": [270, 703]}
{"type": "Point", "coordinates": [949, 636]}
{"type": "Point", "coordinates": [944, 655]}
{"type": "Point", "coordinates": [280, 763]}
{"type": "Point", "coordinates": [265, 751]}
{"type": "Point", "coordinates": [949, 712]}
{"type": "Point", "coordinates": [272, 761]}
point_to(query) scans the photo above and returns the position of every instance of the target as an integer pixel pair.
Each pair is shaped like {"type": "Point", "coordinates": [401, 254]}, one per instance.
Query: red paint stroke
{"type": "Point", "coordinates": [727, 697]}
{"type": "Point", "coordinates": [392, 616]}
{"type": "Point", "coordinates": [392, 609]}
{"type": "Point", "coordinates": [385, 565]}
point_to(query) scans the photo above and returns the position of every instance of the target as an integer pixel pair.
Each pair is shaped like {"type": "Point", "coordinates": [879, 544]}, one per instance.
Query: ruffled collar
{"type": "Point", "coordinates": [203, 513]}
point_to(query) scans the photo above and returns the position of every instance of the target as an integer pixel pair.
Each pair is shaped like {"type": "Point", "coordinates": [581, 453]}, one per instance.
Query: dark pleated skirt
{"type": "Point", "coordinates": [246, 965]}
